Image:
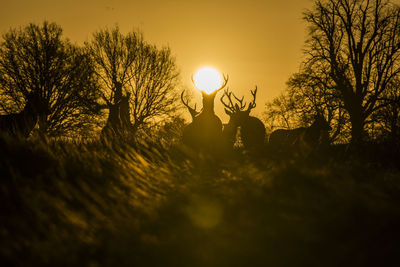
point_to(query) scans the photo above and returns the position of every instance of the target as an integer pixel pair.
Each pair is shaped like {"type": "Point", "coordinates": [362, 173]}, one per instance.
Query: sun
{"type": "Point", "coordinates": [207, 79]}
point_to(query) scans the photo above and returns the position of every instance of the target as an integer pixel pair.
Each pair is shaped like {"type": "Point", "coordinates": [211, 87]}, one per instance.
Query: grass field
{"type": "Point", "coordinates": [69, 203]}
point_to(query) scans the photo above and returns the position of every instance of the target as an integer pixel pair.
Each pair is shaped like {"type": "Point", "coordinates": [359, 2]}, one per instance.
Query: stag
{"type": "Point", "coordinates": [125, 115]}
{"type": "Point", "coordinates": [118, 122]}
{"type": "Point", "coordinates": [205, 131]}
{"type": "Point", "coordinates": [252, 130]}
{"type": "Point", "coordinates": [304, 139]}
{"type": "Point", "coordinates": [21, 124]}
{"type": "Point", "coordinates": [113, 126]}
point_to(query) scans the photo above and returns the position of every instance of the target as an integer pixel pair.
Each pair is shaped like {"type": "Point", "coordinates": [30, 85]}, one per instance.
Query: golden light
{"type": "Point", "coordinates": [207, 79]}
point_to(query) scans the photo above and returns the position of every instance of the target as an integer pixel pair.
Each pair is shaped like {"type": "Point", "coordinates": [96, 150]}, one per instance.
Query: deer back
{"type": "Point", "coordinates": [112, 128]}
{"type": "Point", "coordinates": [286, 138]}
{"type": "Point", "coordinates": [204, 133]}
{"type": "Point", "coordinates": [304, 139]}
{"type": "Point", "coordinates": [252, 132]}
{"type": "Point", "coordinates": [318, 132]}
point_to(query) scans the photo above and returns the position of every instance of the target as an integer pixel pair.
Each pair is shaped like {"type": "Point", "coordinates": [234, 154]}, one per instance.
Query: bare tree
{"type": "Point", "coordinates": [137, 79]}
{"type": "Point", "coordinates": [387, 119]}
{"type": "Point", "coordinates": [307, 96]}
{"type": "Point", "coordinates": [35, 59]}
{"type": "Point", "coordinates": [358, 42]}
{"type": "Point", "coordinates": [281, 112]}
{"type": "Point", "coordinates": [313, 94]}
{"type": "Point", "coordinates": [152, 84]}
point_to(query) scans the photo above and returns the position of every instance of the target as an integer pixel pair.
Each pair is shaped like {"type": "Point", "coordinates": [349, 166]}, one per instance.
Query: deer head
{"type": "Point", "coordinates": [208, 100]}
{"type": "Point", "coordinates": [238, 111]}
{"type": "Point", "coordinates": [252, 130]}
{"type": "Point", "coordinates": [321, 123]}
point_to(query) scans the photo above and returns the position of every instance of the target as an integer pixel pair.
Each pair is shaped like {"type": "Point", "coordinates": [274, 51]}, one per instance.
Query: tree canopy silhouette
{"type": "Point", "coordinates": [37, 59]}
{"type": "Point", "coordinates": [388, 117]}
{"type": "Point", "coordinates": [137, 79]}
{"type": "Point", "coordinates": [313, 95]}
{"type": "Point", "coordinates": [357, 43]}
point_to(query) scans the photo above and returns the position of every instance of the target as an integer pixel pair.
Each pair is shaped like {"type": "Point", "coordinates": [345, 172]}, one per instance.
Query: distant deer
{"type": "Point", "coordinates": [252, 130]}
{"type": "Point", "coordinates": [205, 131]}
{"type": "Point", "coordinates": [304, 139]}
{"type": "Point", "coordinates": [125, 115]}
{"type": "Point", "coordinates": [119, 120]}
{"type": "Point", "coordinates": [21, 124]}
{"type": "Point", "coordinates": [112, 128]}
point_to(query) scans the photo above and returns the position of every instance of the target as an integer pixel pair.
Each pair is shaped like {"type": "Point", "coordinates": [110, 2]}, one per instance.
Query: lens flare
{"type": "Point", "coordinates": [204, 212]}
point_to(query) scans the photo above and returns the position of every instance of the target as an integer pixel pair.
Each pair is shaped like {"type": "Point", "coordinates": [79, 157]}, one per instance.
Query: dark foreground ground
{"type": "Point", "coordinates": [74, 204]}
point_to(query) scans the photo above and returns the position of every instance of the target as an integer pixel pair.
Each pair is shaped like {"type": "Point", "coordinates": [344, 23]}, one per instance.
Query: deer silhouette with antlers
{"type": "Point", "coordinates": [252, 130]}
{"type": "Point", "coordinates": [113, 125]}
{"type": "Point", "coordinates": [118, 124]}
{"type": "Point", "coordinates": [21, 124]}
{"type": "Point", "coordinates": [204, 133]}
{"type": "Point", "coordinates": [303, 140]}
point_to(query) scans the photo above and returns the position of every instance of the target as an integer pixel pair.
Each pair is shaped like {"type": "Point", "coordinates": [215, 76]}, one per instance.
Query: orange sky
{"type": "Point", "coordinates": [256, 42]}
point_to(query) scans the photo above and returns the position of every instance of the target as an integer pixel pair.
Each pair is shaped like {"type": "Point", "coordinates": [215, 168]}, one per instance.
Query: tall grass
{"type": "Point", "coordinates": [93, 204]}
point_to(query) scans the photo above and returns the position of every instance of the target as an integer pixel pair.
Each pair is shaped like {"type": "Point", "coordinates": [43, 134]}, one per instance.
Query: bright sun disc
{"type": "Point", "coordinates": [207, 79]}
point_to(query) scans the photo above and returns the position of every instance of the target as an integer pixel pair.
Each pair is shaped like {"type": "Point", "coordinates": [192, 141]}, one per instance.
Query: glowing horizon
{"type": "Point", "coordinates": [258, 43]}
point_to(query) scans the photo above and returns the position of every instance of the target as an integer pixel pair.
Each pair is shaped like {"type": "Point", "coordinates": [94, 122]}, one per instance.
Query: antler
{"type": "Point", "coordinates": [224, 83]}
{"type": "Point", "coordinates": [193, 111]}
{"type": "Point", "coordinates": [230, 106]}
{"type": "Point", "coordinates": [226, 78]}
{"type": "Point", "coordinates": [235, 107]}
{"type": "Point", "coordinates": [253, 103]}
{"type": "Point", "coordinates": [242, 106]}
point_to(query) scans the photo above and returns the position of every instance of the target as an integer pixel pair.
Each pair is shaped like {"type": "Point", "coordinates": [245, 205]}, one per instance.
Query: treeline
{"type": "Point", "coordinates": [116, 76]}
{"type": "Point", "coordinates": [119, 84]}
{"type": "Point", "coordinates": [350, 72]}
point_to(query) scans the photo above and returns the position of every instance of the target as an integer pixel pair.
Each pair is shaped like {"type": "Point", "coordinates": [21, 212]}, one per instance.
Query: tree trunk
{"type": "Point", "coordinates": [357, 125]}
{"type": "Point", "coordinates": [353, 105]}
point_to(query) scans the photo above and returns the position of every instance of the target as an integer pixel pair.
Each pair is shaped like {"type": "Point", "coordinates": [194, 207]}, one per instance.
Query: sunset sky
{"type": "Point", "coordinates": [256, 42]}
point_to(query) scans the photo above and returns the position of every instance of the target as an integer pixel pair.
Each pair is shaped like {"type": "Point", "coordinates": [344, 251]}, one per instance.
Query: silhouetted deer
{"type": "Point", "coordinates": [252, 130]}
{"type": "Point", "coordinates": [118, 123]}
{"type": "Point", "coordinates": [205, 131]}
{"type": "Point", "coordinates": [303, 140]}
{"type": "Point", "coordinates": [21, 124]}
{"type": "Point", "coordinates": [113, 126]}
{"type": "Point", "coordinates": [125, 115]}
